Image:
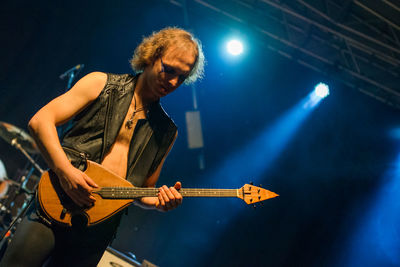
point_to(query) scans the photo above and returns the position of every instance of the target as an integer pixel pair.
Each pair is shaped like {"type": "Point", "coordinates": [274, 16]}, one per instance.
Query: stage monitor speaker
{"type": "Point", "coordinates": [114, 258]}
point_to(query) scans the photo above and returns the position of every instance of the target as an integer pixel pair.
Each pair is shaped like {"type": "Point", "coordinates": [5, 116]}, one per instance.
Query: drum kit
{"type": "Point", "coordinates": [16, 194]}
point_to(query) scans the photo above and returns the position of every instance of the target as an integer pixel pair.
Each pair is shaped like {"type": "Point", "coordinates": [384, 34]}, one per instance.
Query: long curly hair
{"type": "Point", "coordinates": [154, 46]}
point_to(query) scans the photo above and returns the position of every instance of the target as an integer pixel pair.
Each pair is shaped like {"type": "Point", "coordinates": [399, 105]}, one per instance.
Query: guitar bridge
{"type": "Point", "coordinates": [63, 213]}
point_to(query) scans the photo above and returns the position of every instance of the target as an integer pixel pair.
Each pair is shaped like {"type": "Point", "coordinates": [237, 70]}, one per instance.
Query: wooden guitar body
{"type": "Point", "coordinates": [60, 208]}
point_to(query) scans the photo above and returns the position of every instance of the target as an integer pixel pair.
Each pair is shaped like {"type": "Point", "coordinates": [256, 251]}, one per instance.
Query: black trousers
{"type": "Point", "coordinates": [37, 244]}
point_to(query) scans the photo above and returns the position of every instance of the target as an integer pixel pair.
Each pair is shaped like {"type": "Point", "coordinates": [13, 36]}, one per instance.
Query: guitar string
{"type": "Point", "coordinates": [187, 195]}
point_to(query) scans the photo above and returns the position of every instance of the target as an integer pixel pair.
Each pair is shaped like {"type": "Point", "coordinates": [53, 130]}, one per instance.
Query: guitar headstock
{"type": "Point", "coordinates": [252, 194]}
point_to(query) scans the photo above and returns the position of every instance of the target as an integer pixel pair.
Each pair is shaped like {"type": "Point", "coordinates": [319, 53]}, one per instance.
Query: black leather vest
{"type": "Point", "coordinates": [95, 129]}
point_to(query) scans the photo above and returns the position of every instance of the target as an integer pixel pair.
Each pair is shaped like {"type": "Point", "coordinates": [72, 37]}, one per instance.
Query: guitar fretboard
{"type": "Point", "coordinates": [130, 193]}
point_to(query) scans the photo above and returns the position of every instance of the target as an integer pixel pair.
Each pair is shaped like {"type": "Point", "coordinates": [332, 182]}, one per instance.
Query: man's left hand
{"type": "Point", "coordinates": [169, 198]}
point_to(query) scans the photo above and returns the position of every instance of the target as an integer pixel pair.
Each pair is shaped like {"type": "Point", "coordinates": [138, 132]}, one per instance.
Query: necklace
{"type": "Point", "coordinates": [129, 123]}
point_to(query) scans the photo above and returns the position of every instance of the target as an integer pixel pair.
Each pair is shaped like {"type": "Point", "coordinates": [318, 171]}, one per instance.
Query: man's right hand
{"type": "Point", "coordinates": [78, 186]}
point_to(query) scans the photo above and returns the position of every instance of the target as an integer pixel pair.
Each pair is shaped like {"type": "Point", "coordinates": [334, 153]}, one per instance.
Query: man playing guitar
{"type": "Point", "coordinates": [118, 123]}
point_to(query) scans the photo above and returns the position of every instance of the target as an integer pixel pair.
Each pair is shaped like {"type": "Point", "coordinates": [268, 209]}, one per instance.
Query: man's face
{"type": "Point", "coordinates": [170, 71]}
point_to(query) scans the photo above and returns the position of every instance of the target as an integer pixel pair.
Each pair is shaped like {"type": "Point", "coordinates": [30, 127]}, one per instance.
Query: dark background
{"type": "Point", "coordinates": [329, 176]}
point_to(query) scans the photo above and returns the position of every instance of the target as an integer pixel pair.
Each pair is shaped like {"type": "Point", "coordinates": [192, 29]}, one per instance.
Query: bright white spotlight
{"type": "Point", "coordinates": [234, 47]}
{"type": "Point", "coordinates": [322, 90]}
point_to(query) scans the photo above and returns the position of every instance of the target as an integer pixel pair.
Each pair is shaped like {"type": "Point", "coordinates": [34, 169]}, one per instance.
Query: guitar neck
{"type": "Point", "coordinates": [136, 192]}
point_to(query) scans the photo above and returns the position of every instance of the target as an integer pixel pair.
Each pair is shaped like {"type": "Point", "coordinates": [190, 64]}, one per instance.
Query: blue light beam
{"type": "Point", "coordinates": [257, 156]}
{"type": "Point", "coordinates": [376, 241]}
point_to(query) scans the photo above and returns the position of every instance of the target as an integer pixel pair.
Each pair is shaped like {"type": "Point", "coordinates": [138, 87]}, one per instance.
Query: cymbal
{"type": "Point", "coordinates": [10, 132]}
{"type": "Point", "coordinates": [10, 181]}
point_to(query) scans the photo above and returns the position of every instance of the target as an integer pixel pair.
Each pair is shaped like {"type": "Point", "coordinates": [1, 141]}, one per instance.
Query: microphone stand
{"type": "Point", "coordinates": [71, 73]}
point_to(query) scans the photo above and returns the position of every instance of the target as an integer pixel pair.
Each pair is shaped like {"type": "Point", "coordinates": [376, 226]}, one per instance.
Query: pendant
{"type": "Point", "coordinates": [129, 124]}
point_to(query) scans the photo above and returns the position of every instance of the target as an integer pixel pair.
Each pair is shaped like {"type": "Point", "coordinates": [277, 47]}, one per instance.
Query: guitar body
{"type": "Point", "coordinates": [60, 208]}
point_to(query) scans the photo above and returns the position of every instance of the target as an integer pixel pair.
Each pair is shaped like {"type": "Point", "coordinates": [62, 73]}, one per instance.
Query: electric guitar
{"type": "Point", "coordinates": [115, 193]}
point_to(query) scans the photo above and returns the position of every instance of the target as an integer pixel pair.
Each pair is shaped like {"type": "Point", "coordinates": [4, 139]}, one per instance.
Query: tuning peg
{"type": "Point", "coordinates": [254, 206]}
{"type": "Point", "coordinates": [260, 185]}
{"type": "Point", "coordinates": [251, 183]}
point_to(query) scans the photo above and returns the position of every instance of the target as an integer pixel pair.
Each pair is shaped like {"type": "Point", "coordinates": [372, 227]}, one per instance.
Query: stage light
{"type": "Point", "coordinates": [322, 90]}
{"type": "Point", "coordinates": [234, 47]}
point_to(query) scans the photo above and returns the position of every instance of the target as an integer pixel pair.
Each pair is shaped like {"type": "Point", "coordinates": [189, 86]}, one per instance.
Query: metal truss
{"type": "Point", "coordinates": [357, 42]}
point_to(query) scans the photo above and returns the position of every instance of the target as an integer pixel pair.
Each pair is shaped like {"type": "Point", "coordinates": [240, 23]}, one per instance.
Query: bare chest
{"type": "Point", "coordinates": [116, 158]}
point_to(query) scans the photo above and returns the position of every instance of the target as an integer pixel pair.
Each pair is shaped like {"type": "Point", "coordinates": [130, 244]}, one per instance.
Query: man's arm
{"type": "Point", "coordinates": [167, 198]}
{"type": "Point", "coordinates": [43, 124]}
